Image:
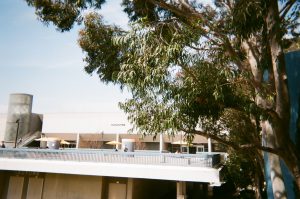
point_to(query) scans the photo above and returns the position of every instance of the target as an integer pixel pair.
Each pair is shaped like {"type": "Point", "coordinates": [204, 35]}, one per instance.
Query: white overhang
{"type": "Point", "coordinates": [177, 173]}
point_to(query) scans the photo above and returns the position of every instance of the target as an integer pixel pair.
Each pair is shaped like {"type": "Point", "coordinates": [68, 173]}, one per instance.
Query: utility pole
{"type": "Point", "coordinates": [16, 139]}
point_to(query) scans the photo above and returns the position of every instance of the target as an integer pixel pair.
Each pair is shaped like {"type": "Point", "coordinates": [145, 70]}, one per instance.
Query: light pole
{"type": "Point", "coordinates": [18, 122]}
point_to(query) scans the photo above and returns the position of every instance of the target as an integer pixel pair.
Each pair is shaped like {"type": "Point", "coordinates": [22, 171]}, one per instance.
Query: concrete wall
{"type": "Point", "coordinates": [15, 185]}
{"type": "Point", "coordinates": [35, 188]}
{"type": "Point", "coordinates": [107, 122]}
{"type": "Point", "coordinates": [57, 186]}
{"type": "Point", "coordinates": [36, 122]}
{"type": "Point", "coordinates": [114, 187]}
{"type": "Point", "coordinates": [93, 144]}
{"type": "Point", "coordinates": [28, 185]}
{"type": "Point", "coordinates": [33, 185]}
{"type": "Point", "coordinates": [2, 125]}
{"type": "Point", "coordinates": [129, 188]}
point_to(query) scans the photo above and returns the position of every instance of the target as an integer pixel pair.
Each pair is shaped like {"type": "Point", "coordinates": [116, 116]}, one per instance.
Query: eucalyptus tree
{"type": "Point", "coordinates": [188, 63]}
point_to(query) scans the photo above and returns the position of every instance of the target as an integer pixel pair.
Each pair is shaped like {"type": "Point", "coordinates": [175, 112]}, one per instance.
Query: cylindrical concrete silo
{"type": "Point", "coordinates": [18, 117]}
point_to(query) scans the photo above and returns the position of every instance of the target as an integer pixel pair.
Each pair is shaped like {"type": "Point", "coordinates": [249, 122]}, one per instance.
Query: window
{"type": "Point", "coordinates": [200, 148]}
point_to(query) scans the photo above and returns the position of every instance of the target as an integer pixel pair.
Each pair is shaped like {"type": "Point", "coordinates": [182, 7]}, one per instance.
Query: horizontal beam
{"type": "Point", "coordinates": [176, 173]}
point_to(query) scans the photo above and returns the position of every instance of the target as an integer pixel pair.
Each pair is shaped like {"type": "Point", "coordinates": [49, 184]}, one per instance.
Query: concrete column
{"type": "Point", "coordinates": [209, 145]}
{"type": "Point", "coordinates": [210, 191]}
{"type": "Point", "coordinates": [77, 140]}
{"type": "Point", "coordinates": [129, 188]}
{"type": "Point", "coordinates": [118, 140]}
{"type": "Point", "coordinates": [161, 143]}
{"type": "Point", "coordinates": [181, 190]}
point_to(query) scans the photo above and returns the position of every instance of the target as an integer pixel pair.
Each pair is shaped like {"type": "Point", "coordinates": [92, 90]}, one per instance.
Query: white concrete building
{"type": "Point", "coordinates": [93, 169]}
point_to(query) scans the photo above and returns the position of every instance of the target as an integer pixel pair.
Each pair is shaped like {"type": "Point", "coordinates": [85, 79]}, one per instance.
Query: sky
{"type": "Point", "coordinates": [38, 60]}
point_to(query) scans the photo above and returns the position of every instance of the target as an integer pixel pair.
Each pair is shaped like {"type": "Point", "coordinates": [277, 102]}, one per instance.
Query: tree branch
{"type": "Point", "coordinates": [201, 49]}
{"type": "Point", "coordinates": [229, 4]}
{"type": "Point", "coordinates": [286, 8]}
{"type": "Point", "coordinates": [217, 138]}
{"type": "Point", "coordinates": [260, 147]}
{"type": "Point", "coordinates": [190, 15]}
{"type": "Point", "coordinates": [235, 146]}
{"type": "Point", "coordinates": [254, 51]}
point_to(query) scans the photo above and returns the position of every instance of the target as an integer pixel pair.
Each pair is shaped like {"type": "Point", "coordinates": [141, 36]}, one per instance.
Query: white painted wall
{"type": "Point", "coordinates": [2, 125]}
{"type": "Point", "coordinates": [107, 122]}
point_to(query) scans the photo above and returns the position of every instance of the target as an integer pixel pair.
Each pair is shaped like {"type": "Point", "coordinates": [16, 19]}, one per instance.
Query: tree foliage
{"type": "Point", "coordinates": [219, 65]}
{"type": "Point", "coordinates": [102, 56]}
{"type": "Point", "coordinates": [62, 13]}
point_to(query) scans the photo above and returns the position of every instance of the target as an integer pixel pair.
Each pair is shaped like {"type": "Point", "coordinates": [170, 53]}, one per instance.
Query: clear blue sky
{"type": "Point", "coordinates": [41, 61]}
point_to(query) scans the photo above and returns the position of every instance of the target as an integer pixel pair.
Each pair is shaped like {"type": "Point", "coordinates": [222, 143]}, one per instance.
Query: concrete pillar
{"type": "Point", "coordinates": [118, 140]}
{"type": "Point", "coordinates": [77, 140]}
{"type": "Point", "coordinates": [181, 190]}
{"type": "Point", "coordinates": [18, 117]}
{"type": "Point", "coordinates": [209, 145]}
{"type": "Point", "coordinates": [161, 143]}
{"type": "Point", "coordinates": [129, 188]}
{"type": "Point", "coordinates": [210, 191]}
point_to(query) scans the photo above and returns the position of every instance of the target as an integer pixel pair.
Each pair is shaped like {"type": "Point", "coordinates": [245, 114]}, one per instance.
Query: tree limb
{"type": "Point", "coordinates": [235, 146]}
{"type": "Point", "coordinates": [229, 4]}
{"type": "Point", "coordinates": [191, 14]}
{"type": "Point", "coordinates": [286, 8]}
{"type": "Point", "coordinates": [254, 51]}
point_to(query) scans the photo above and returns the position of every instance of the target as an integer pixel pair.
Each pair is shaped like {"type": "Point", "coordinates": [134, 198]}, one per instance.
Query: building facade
{"type": "Point", "coordinates": [90, 160]}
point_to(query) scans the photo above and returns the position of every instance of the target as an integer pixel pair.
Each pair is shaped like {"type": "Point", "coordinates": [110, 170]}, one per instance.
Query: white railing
{"type": "Point", "coordinates": [105, 156]}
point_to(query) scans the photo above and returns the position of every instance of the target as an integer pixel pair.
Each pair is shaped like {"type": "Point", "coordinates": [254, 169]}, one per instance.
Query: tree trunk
{"type": "Point", "coordinates": [291, 157]}
{"type": "Point", "coordinates": [259, 175]}
{"type": "Point", "coordinates": [273, 163]}
{"type": "Point", "coordinates": [281, 117]}
{"type": "Point", "coordinates": [258, 191]}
